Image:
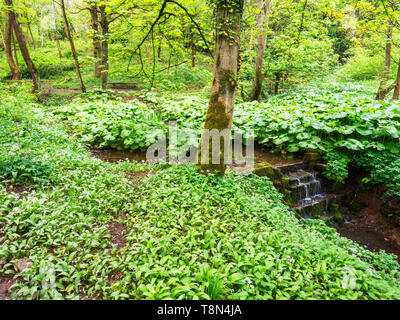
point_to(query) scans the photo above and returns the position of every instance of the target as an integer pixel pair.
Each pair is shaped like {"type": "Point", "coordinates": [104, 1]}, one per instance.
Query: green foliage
{"type": "Point", "coordinates": [362, 67]}
{"type": "Point", "coordinates": [337, 120]}
{"type": "Point", "coordinates": [184, 76]}
{"type": "Point", "coordinates": [187, 236]}
{"type": "Point", "coordinates": [48, 63]}
{"type": "Point", "coordinates": [337, 166]}
{"type": "Point", "coordinates": [384, 167]}
{"type": "Point", "coordinates": [305, 120]}
{"type": "Point", "coordinates": [108, 122]}
{"type": "Point", "coordinates": [23, 170]}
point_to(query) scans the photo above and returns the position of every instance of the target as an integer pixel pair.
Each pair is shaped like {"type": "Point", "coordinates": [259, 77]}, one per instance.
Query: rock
{"type": "Point", "coordinates": [348, 197]}
{"type": "Point", "coordinates": [312, 156]}
{"type": "Point", "coordinates": [23, 264]}
{"type": "Point", "coordinates": [336, 213]}
{"type": "Point", "coordinates": [357, 206]}
{"type": "Point", "coordinates": [391, 208]}
{"type": "Point", "coordinates": [320, 167]}
{"type": "Point", "coordinates": [317, 209]}
{"type": "Point", "coordinates": [280, 182]}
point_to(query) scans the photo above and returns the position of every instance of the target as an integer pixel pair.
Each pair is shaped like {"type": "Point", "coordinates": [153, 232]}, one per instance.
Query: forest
{"type": "Point", "coordinates": [199, 150]}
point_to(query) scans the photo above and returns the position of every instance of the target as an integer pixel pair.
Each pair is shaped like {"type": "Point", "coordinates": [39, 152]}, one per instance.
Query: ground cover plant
{"type": "Point", "coordinates": [178, 240]}
{"type": "Point", "coordinates": [86, 80]}
{"type": "Point", "coordinates": [101, 120]}
{"type": "Point", "coordinates": [341, 122]}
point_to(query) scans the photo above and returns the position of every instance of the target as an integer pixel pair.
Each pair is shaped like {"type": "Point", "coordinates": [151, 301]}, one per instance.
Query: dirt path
{"type": "Point", "coordinates": [6, 281]}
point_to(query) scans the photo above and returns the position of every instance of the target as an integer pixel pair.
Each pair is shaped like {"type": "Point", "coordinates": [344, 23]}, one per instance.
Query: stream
{"type": "Point", "coordinates": [309, 194]}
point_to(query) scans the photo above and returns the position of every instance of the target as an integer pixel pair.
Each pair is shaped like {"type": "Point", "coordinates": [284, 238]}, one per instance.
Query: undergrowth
{"type": "Point", "coordinates": [187, 236]}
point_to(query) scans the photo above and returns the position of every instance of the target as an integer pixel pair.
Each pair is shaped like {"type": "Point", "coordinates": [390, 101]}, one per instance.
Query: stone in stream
{"type": "Point", "coordinates": [312, 158]}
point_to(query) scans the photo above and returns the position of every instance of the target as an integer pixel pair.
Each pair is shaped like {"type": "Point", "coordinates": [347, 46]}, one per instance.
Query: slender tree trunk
{"type": "Point", "coordinates": [104, 48]}
{"type": "Point", "coordinates": [382, 92]}
{"type": "Point", "coordinates": [56, 38]}
{"type": "Point", "coordinates": [397, 84]}
{"type": "Point", "coordinates": [15, 49]}
{"type": "Point", "coordinates": [159, 51]}
{"type": "Point", "coordinates": [71, 42]}
{"type": "Point", "coordinates": [56, 32]}
{"type": "Point", "coordinates": [27, 39]}
{"type": "Point", "coordinates": [58, 44]}
{"type": "Point", "coordinates": [278, 77]}
{"type": "Point", "coordinates": [193, 56]}
{"type": "Point", "coordinates": [251, 40]}
{"type": "Point", "coordinates": [220, 109]}
{"type": "Point", "coordinates": [96, 42]}
{"type": "Point", "coordinates": [59, 50]}
{"type": "Point", "coordinates": [193, 48]}
{"type": "Point", "coordinates": [262, 21]}
{"type": "Point", "coordinates": [33, 39]}
{"type": "Point", "coordinates": [169, 62]}
{"type": "Point", "coordinates": [8, 49]}
{"type": "Point", "coordinates": [22, 46]}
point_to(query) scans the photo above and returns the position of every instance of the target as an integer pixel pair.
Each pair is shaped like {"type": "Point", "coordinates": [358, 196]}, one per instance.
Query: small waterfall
{"type": "Point", "coordinates": [309, 193]}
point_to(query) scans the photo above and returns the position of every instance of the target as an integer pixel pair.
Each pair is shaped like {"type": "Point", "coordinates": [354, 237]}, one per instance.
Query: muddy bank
{"type": "Point", "coordinates": [371, 218]}
{"type": "Point", "coordinates": [371, 239]}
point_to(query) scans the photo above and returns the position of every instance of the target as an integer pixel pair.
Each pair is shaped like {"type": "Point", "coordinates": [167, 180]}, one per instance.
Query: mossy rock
{"type": "Point", "coordinates": [320, 167]}
{"type": "Point", "coordinates": [317, 209]}
{"type": "Point", "coordinates": [280, 182]}
{"type": "Point", "coordinates": [357, 206]}
{"type": "Point", "coordinates": [337, 215]}
{"type": "Point", "coordinates": [312, 156]}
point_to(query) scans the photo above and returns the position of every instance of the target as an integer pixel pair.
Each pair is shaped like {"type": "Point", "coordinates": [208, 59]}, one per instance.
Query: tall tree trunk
{"type": "Point", "coordinates": [22, 46]}
{"type": "Point", "coordinates": [71, 42]}
{"type": "Point", "coordinates": [278, 77]}
{"type": "Point", "coordinates": [96, 43]}
{"type": "Point", "coordinates": [159, 51]}
{"type": "Point", "coordinates": [33, 39]}
{"type": "Point", "coordinates": [56, 38]}
{"type": "Point", "coordinates": [193, 49]}
{"type": "Point", "coordinates": [262, 21]}
{"type": "Point", "coordinates": [16, 75]}
{"type": "Point", "coordinates": [104, 47]}
{"type": "Point", "coordinates": [220, 109]}
{"type": "Point", "coordinates": [397, 84]}
{"type": "Point", "coordinates": [382, 92]}
{"type": "Point", "coordinates": [58, 44]}
{"type": "Point", "coordinates": [59, 51]}
{"type": "Point", "coordinates": [15, 49]}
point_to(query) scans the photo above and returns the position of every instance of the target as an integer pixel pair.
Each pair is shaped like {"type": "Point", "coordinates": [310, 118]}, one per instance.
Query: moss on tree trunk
{"type": "Point", "coordinates": [226, 64]}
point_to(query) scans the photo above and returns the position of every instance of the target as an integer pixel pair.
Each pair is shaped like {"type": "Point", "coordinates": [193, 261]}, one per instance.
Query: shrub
{"type": "Point", "coordinates": [362, 67]}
